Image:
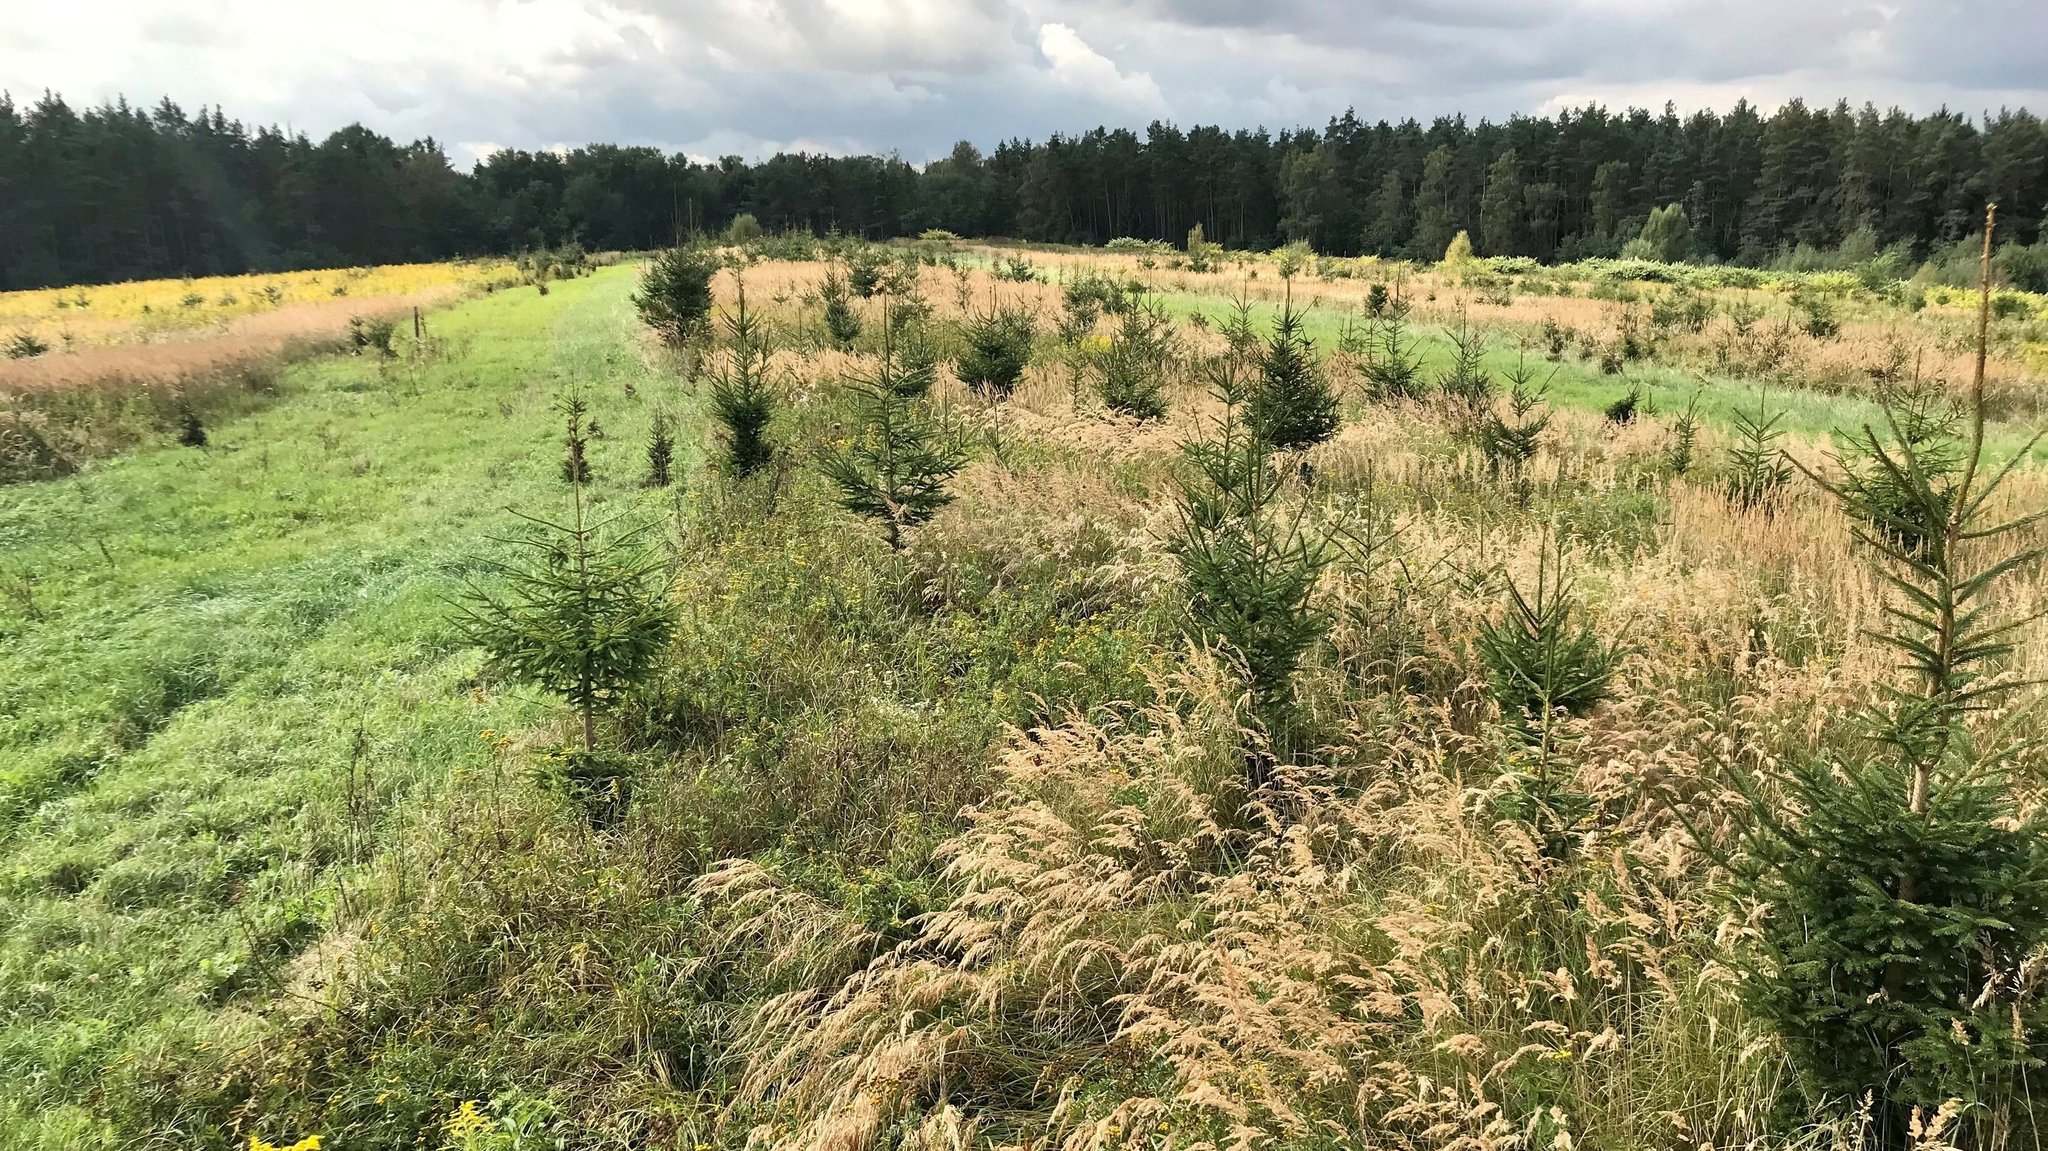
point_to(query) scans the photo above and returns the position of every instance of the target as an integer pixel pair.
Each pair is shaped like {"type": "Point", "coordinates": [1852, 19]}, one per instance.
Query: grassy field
{"type": "Point", "coordinates": [227, 678]}
{"type": "Point", "coordinates": [952, 846]}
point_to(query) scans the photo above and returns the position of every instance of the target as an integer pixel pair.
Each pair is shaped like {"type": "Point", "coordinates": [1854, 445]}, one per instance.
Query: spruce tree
{"type": "Point", "coordinates": [1249, 566]}
{"type": "Point", "coordinates": [1908, 878]}
{"type": "Point", "coordinates": [743, 397]}
{"type": "Point", "coordinates": [997, 350]}
{"type": "Point", "coordinates": [1756, 465]}
{"type": "Point", "coordinates": [675, 293]}
{"type": "Point", "coordinates": [894, 466]}
{"type": "Point", "coordinates": [842, 323]}
{"type": "Point", "coordinates": [1130, 374]}
{"type": "Point", "coordinates": [575, 438]}
{"type": "Point", "coordinates": [580, 610]}
{"type": "Point", "coordinates": [661, 451]}
{"type": "Point", "coordinates": [1292, 407]}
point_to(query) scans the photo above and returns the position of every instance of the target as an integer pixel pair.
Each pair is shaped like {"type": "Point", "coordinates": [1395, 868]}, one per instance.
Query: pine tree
{"type": "Point", "coordinates": [1389, 223]}
{"type": "Point", "coordinates": [1292, 407]}
{"type": "Point", "coordinates": [1434, 223]}
{"type": "Point", "coordinates": [743, 397]}
{"type": "Point", "coordinates": [1500, 207]}
{"type": "Point", "coordinates": [894, 467]}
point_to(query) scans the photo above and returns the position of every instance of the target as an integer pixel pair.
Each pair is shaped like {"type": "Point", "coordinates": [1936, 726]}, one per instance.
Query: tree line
{"type": "Point", "coordinates": [123, 192]}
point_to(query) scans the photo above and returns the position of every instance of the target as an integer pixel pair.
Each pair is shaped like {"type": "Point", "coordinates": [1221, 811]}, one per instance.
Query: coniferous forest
{"type": "Point", "coordinates": [123, 192]}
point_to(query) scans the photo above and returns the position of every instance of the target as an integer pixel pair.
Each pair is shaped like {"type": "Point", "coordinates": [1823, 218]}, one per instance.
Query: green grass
{"type": "Point", "coordinates": [224, 672]}
{"type": "Point", "coordinates": [1579, 383]}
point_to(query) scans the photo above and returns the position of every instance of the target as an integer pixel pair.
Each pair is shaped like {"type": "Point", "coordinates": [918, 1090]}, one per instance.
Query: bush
{"type": "Point", "coordinates": [744, 229]}
{"type": "Point", "coordinates": [25, 346]}
{"type": "Point", "coordinates": [675, 293]}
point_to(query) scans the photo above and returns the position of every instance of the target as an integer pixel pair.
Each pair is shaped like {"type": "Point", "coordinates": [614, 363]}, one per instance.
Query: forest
{"type": "Point", "coordinates": [122, 192]}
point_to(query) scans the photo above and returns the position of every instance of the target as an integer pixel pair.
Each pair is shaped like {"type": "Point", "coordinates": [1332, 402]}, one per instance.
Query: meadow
{"type": "Point", "coordinates": [1038, 745]}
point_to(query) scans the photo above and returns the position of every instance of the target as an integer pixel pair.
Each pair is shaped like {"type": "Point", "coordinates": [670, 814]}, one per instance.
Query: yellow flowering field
{"type": "Point", "coordinates": [121, 313]}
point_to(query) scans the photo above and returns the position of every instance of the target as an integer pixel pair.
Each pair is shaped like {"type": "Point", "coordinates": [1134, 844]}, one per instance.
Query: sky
{"type": "Point", "coordinates": [752, 77]}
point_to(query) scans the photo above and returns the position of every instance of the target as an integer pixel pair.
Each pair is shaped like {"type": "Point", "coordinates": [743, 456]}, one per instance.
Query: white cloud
{"type": "Point", "coordinates": [1075, 64]}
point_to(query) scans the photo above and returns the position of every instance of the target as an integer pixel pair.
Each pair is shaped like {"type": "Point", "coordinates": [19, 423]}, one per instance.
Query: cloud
{"type": "Point", "coordinates": [753, 76]}
{"type": "Point", "coordinates": [1077, 65]}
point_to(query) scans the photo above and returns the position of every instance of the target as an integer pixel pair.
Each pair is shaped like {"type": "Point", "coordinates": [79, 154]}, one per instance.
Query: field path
{"type": "Point", "coordinates": [223, 671]}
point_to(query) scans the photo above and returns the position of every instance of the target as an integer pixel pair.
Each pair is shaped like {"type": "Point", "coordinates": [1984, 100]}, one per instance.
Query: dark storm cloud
{"type": "Point", "coordinates": [750, 76]}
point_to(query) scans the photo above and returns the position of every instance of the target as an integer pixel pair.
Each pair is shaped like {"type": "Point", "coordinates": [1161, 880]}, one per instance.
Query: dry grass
{"type": "Point", "coordinates": [228, 348]}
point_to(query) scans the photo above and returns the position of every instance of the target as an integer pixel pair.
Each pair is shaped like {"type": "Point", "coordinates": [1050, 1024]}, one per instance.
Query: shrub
{"type": "Point", "coordinates": [744, 229]}
{"type": "Point", "coordinates": [25, 346]}
{"type": "Point", "coordinates": [1459, 250]}
{"type": "Point", "coordinates": [997, 350]}
{"type": "Point", "coordinates": [372, 336]}
{"type": "Point", "coordinates": [191, 430]}
{"type": "Point", "coordinates": [675, 293]}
